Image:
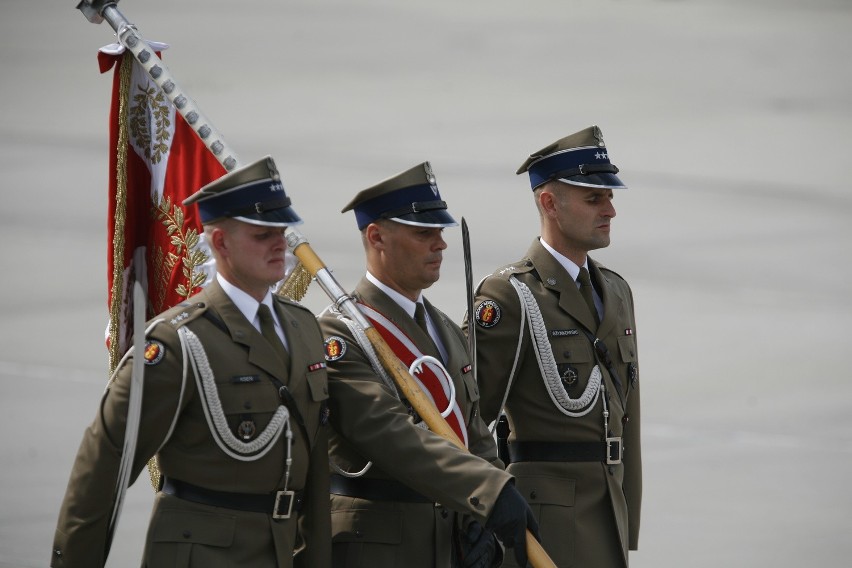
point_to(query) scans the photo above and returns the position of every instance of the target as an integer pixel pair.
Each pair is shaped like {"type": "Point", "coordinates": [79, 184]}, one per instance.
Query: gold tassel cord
{"type": "Point", "coordinates": [295, 286]}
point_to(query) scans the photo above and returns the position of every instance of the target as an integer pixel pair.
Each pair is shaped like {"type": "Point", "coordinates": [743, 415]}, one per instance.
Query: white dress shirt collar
{"type": "Point", "coordinates": [246, 304]}
{"type": "Point", "coordinates": [566, 263]}
{"type": "Point", "coordinates": [403, 302]}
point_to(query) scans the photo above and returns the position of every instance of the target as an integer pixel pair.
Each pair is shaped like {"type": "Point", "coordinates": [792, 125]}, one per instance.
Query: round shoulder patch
{"type": "Point", "coordinates": [154, 352]}
{"type": "Point", "coordinates": [488, 313]}
{"type": "Point", "coordinates": [335, 348]}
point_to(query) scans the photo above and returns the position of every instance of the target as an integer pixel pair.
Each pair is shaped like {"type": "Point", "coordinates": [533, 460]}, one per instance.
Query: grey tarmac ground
{"type": "Point", "coordinates": [730, 121]}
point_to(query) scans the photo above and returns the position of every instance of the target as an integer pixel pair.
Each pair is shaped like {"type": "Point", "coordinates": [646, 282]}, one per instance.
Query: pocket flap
{"type": "Point", "coordinates": [318, 383]}
{"type": "Point", "coordinates": [471, 386]}
{"type": "Point", "coordinates": [195, 527]}
{"type": "Point", "coordinates": [257, 398]}
{"type": "Point", "coordinates": [547, 490]}
{"type": "Point", "coordinates": [572, 350]}
{"type": "Point", "coordinates": [627, 348]}
{"type": "Point", "coordinates": [383, 527]}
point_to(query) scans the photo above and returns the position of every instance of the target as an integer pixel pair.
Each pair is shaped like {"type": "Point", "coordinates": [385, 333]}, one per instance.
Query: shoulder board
{"type": "Point", "coordinates": [184, 313]}
{"type": "Point", "coordinates": [603, 268]}
{"type": "Point", "coordinates": [289, 302]}
{"type": "Point", "coordinates": [330, 310]}
{"type": "Point", "coordinates": [520, 267]}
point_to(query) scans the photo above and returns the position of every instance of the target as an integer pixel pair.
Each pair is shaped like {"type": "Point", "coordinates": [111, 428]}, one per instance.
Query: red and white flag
{"type": "Point", "coordinates": [156, 161]}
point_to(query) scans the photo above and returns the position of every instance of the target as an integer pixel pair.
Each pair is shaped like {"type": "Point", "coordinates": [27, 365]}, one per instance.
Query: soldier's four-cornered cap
{"type": "Point", "coordinates": [410, 197]}
{"type": "Point", "coordinates": [253, 194]}
{"type": "Point", "coordinates": [579, 159]}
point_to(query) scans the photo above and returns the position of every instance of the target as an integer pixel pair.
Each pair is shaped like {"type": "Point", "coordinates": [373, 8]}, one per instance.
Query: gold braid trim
{"type": "Point", "coordinates": [120, 215]}
{"type": "Point", "coordinates": [118, 244]}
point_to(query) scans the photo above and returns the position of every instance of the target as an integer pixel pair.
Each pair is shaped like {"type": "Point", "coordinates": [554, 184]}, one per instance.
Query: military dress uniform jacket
{"type": "Point", "coordinates": [588, 511]}
{"type": "Point", "coordinates": [185, 533]}
{"type": "Point", "coordinates": [371, 424]}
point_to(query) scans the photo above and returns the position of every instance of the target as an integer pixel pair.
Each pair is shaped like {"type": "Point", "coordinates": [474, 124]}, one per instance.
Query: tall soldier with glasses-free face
{"type": "Point", "coordinates": [564, 367]}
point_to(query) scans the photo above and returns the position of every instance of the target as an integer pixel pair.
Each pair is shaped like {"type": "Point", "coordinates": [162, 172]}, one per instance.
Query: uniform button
{"type": "Point", "coordinates": [247, 405]}
{"type": "Point", "coordinates": [533, 495]}
{"type": "Point", "coordinates": [57, 552]}
{"type": "Point", "coordinates": [474, 501]}
{"type": "Point", "coordinates": [187, 534]}
{"type": "Point", "coordinates": [444, 513]}
{"type": "Point", "coordinates": [625, 419]}
{"type": "Point", "coordinates": [358, 534]}
{"type": "Point", "coordinates": [566, 354]}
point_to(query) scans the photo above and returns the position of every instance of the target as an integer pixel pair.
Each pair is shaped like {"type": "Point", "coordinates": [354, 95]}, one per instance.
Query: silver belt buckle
{"type": "Point", "coordinates": [287, 497]}
{"type": "Point", "coordinates": [614, 451]}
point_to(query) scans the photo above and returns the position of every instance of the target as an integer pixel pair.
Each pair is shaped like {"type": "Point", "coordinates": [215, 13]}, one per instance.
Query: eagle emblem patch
{"type": "Point", "coordinates": [154, 352]}
{"type": "Point", "coordinates": [488, 314]}
{"type": "Point", "coordinates": [335, 348]}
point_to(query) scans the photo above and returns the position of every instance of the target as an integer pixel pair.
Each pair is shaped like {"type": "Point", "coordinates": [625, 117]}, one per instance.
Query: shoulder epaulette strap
{"type": "Point", "coordinates": [522, 266]}
{"type": "Point", "coordinates": [603, 268]}
{"type": "Point", "coordinates": [184, 313]}
{"type": "Point", "coordinates": [291, 302]}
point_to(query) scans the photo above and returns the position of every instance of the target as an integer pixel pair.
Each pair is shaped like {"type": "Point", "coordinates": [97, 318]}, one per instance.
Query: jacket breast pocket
{"type": "Point", "coordinates": [627, 348]}
{"type": "Point", "coordinates": [572, 350]}
{"type": "Point", "coordinates": [189, 538]}
{"type": "Point", "coordinates": [471, 387]}
{"type": "Point", "coordinates": [318, 384]}
{"type": "Point", "coordinates": [257, 398]}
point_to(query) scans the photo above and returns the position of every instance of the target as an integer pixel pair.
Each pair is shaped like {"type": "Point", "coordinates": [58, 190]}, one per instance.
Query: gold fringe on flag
{"type": "Point", "coordinates": [120, 217]}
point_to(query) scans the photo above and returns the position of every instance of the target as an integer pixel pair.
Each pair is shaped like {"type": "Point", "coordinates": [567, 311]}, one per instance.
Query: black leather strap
{"type": "Point", "coordinates": [557, 451]}
{"type": "Point", "coordinates": [252, 502]}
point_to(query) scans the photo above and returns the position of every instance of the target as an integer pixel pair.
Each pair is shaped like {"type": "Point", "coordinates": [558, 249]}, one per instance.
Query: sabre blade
{"type": "Point", "coordinates": [134, 410]}
{"type": "Point", "coordinates": [468, 281]}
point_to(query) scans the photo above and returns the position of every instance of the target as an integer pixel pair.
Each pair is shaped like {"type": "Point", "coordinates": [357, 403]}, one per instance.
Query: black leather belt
{"type": "Point", "coordinates": [375, 489]}
{"type": "Point", "coordinates": [609, 451]}
{"type": "Point", "coordinates": [280, 504]}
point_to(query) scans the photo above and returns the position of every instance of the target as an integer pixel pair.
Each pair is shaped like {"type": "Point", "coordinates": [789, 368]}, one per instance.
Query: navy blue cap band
{"type": "Point", "coordinates": [403, 202]}
{"type": "Point", "coordinates": [581, 161]}
{"type": "Point", "coordinates": [254, 198]}
{"type": "Point", "coordinates": [416, 207]}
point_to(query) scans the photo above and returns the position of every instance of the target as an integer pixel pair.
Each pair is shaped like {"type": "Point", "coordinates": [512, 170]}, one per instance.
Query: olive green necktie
{"type": "Point", "coordinates": [420, 317]}
{"type": "Point", "coordinates": [267, 328]}
{"type": "Point", "coordinates": [586, 290]}
{"type": "Point", "coordinates": [420, 320]}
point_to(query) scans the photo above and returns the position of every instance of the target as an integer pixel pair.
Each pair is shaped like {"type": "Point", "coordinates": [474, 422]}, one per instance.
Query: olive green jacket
{"type": "Point", "coordinates": [182, 533]}
{"type": "Point", "coordinates": [586, 509]}
{"type": "Point", "coordinates": [371, 424]}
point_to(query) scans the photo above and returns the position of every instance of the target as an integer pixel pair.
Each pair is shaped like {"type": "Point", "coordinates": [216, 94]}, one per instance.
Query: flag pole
{"type": "Point", "coordinates": [97, 11]}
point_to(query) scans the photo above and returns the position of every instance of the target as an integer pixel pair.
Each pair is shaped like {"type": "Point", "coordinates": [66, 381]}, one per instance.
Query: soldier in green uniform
{"type": "Point", "coordinates": [401, 495]}
{"type": "Point", "coordinates": [236, 417]}
{"type": "Point", "coordinates": [556, 350]}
